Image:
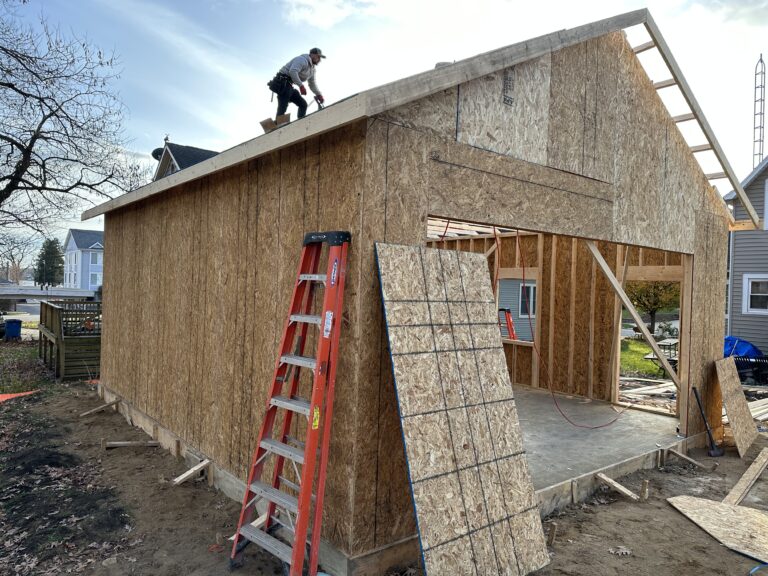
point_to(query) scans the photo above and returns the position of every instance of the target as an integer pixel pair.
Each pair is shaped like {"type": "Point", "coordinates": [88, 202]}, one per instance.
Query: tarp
{"type": "Point", "coordinates": [737, 347]}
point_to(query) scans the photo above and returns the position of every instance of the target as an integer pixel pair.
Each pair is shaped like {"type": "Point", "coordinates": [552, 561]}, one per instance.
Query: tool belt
{"type": "Point", "coordinates": [278, 83]}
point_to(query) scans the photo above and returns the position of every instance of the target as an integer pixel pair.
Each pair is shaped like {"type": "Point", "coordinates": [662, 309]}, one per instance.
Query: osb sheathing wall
{"type": "Point", "coordinates": [613, 166]}
{"type": "Point", "coordinates": [201, 278]}
{"type": "Point", "coordinates": [201, 275]}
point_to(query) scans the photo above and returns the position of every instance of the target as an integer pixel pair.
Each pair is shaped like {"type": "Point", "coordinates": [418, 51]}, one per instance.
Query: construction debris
{"type": "Point", "coordinates": [742, 487]}
{"type": "Point", "coordinates": [617, 487]}
{"type": "Point", "coordinates": [203, 466]}
{"type": "Point", "coordinates": [100, 408]}
{"type": "Point", "coordinates": [691, 460]}
{"type": "Point", "coordinates": [129, 444]}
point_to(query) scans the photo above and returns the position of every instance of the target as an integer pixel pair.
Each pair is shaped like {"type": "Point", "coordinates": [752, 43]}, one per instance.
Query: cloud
{"type": "Point", "coordinates": [187, 41]}
{"type": "Point", "coordinates": [752, 12]}
{"type": "Point", "coordinates": [325, 14]}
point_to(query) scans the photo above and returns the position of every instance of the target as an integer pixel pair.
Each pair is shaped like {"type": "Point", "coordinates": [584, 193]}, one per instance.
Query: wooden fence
{"type": "Point", "coordinates": [70, 338]}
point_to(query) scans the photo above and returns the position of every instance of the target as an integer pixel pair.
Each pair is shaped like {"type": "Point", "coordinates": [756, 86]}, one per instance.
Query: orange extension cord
{"type": "Point", "coordinates": [541, 363]}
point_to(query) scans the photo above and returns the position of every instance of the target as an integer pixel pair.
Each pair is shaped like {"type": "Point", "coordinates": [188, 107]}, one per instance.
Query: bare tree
{"type": "Point", "coordinates": [61, 136]}
{"type": "Point", "coordinates": [15, 250]}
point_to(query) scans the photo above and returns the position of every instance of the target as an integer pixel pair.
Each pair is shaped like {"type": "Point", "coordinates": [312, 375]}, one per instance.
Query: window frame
{"type": "Point", "coordinates": [747, 280]}
{"type": "Point", "coordinates": [520, 300]}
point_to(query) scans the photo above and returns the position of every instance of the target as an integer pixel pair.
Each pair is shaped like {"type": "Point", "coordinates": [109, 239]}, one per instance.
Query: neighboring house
{"type": "Point", "coordinates": [174, 157]}
{"type": "Point", "coordinates": [83, 259]}
{"type": "Point", "coordinates": [747, 311]}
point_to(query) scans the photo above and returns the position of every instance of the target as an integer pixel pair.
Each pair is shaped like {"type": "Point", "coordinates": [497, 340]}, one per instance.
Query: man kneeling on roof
{"type": "Point", "coordinates": [299, 70]}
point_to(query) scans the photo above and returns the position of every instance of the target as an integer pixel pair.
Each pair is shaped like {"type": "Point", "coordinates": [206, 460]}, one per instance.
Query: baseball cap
{"type": "Point", "coordinates": [318, 52]}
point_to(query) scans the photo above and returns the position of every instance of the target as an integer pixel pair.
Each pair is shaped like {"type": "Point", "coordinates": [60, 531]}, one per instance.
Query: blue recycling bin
{"type": "Point", "coordinates": [12, 329]}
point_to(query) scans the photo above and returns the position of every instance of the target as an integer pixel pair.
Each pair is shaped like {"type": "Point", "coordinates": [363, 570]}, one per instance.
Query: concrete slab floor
{"type": "Point", "coordinates": [557, 450]}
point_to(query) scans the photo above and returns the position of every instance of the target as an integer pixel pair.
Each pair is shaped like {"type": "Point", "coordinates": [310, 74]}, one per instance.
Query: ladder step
{"type": "Point", "coordinates": [269, 543]}
{"type": "Point", "coordinates": [274, 495]}
{"type": "Point", "coordinates": [296, 360]}
{"type": "Point", "coordinates": [298, 405]}
{"type": "Point", "coordinates": [306, 319]}
{"type": "Point", "coordinates": [291, 485]}
{"type": "Point", "coordinates": [312, 277]}
{"type": "Point", "coordinates": [283, 450]}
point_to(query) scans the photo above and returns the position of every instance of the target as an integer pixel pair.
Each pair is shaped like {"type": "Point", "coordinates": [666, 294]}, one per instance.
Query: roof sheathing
{"type": "Point", "coordinates": [394, 94]}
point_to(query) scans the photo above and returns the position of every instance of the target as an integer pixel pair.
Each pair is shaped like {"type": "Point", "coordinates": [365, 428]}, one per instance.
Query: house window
{"type": "Point", "coordinates": [95, 279]}
{"type": "Point", "coordinates": [94, 258]}
{"type": "Point", "coordinates": [527, 300]}
{"type": "Point", "coordinates": [755, 299]}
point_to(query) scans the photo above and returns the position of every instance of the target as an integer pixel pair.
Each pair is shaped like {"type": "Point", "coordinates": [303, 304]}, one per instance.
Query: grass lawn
{"type": "Point", "coordinates": [20, 370]}
{"type": "Point", "coordinates": [633, 363]}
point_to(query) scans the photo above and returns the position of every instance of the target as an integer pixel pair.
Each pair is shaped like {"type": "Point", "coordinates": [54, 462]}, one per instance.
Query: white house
{"type": "Point", "coordinates": [83, 259]}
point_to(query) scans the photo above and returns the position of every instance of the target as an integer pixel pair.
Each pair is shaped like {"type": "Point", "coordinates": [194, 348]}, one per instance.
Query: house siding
{"type": "Point", "coordinates": [750, 256]}
{"type": "Point", "coordinates": [509, 297]}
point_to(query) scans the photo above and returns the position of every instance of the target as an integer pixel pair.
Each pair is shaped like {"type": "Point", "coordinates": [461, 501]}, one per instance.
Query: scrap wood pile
{"type": "Point", "coordinates": [659, 394]}
{"type": "Point", "coordinates": [740, 528]}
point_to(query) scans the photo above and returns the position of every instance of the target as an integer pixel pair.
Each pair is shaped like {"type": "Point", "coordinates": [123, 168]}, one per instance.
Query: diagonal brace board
{"type": "Point", "coordinates": [742, 487]}
{"type": "Point", "coordinates": [603, 265]}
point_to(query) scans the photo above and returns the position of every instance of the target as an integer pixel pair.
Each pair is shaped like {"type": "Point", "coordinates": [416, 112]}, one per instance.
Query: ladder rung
{"type": "Point", "coordinates": [274, 495]}
{"type": "Point", "coordinates": [290, 531]}
{"type": "Point", "coordinates": [291, 485]}
{"type": "Point", "coordinates": [283, 450]}
{"type": "Point", "coordinates": [269, 543]}
{"type": "Point", "coordinates": [296, 360]}
{"type": "Point", "coordinates": [306, 319]}
{"type": "Point", "coordinates": [312, 277]}
{"type": "Point", "coordinates": [298, 405]}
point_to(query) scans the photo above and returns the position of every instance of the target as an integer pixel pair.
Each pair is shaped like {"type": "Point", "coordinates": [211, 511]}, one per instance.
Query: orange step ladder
{"type": "Point", "coordinates": [283, 529]}
{"type": "Point", "coordinates": [510, 325]}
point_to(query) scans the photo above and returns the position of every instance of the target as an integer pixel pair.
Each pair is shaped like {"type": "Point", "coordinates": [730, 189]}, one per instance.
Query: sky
{"type": "Point", "coordinates": [197, 71]}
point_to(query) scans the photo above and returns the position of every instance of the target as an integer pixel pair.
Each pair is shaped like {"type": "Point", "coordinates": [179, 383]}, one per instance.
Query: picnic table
{"type": "Point", "coordinates": [668, 347]}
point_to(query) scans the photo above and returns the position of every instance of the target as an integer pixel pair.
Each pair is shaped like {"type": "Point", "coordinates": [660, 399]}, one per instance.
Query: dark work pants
{"type": "Point", "coordinates": [289, 94]}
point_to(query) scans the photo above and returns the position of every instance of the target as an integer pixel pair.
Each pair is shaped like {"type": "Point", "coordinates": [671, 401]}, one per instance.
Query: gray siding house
{"type": "Point", "coordinates": [84, 259]}
{"type": "Point", "coordinates": [747, 306]}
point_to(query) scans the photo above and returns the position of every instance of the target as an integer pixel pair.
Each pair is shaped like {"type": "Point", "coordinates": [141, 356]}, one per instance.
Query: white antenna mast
{"type": "Point", "coordinates": [759, 128]}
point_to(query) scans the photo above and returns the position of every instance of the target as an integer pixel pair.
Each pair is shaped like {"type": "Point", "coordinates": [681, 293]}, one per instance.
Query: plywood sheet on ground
{"type": "Point", "coordinates": [744, 429]}
{"type": "Point", "coordinates": [475, 505]}
{"type": "Point", "coordinates": [742, 529]}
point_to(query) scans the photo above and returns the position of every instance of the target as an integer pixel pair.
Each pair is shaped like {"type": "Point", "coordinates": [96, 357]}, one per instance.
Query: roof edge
{"type": "Point", "coordinates": [379, 99]}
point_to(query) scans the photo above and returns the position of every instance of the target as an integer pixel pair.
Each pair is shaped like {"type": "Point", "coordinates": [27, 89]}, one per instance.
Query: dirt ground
{"type": "Point", "coordinates": [69, 507]}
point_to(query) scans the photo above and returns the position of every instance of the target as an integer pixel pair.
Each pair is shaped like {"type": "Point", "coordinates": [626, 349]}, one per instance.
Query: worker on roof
{"type": "Point", "coordinates": [299, 70]}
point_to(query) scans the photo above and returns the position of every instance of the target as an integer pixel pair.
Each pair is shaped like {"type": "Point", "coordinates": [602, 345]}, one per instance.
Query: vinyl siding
{"type": "Point", "coordinates": [750, 256]}
{"type": "Point", "coordinates": [509, 297]}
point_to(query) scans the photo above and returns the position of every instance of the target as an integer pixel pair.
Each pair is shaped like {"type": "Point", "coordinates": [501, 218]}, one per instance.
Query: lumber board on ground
{"type": "Point", "coordinates": [192, 472]}
{"type": "Point", "coordinates": [691, 460]}
{"type": "Point", "coordinates": [129, 444]}
{"type": "Point", "coordinates": [100, 408]}
{"type": "Point", "coordinates": [742, 487]}
{"type": "Point", "coordinates": [611, 483]}
{"type": "Point", "coordinates": [744, 429]}
{"type": "Point", "coordinates": [742, 529]}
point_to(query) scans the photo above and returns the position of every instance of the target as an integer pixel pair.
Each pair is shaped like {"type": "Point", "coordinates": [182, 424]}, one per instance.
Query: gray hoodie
{"type": "Point", "coordinates": [301, 69]}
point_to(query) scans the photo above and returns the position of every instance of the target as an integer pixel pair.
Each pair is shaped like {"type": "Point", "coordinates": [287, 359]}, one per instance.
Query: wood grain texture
{"type": "Point", "coordinates": [507, 112]}
{"type": "Point", "coordinates": [741, 488]}
{"type": "Point", "coordinates": [739, 416]}
{"type": "Point", "coordinates": [471, 485]}
{"type": "Point", "coordinates": [742, 529]}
